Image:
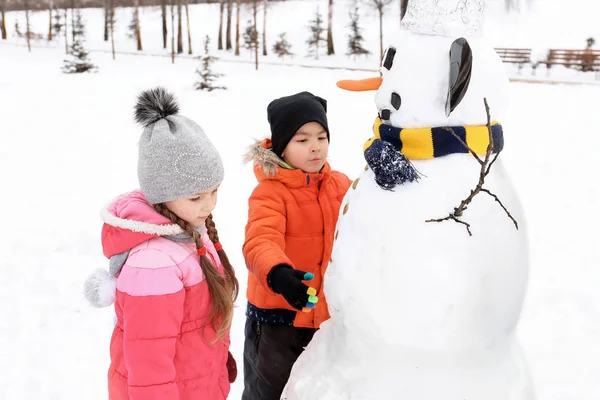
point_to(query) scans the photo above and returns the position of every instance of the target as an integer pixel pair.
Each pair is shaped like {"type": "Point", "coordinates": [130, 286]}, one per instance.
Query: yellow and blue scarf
{"type": "Point", "coordinates": [389, 151]}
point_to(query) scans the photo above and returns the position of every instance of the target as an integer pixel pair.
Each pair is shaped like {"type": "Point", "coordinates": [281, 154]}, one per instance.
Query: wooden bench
{"type": "Point", "coordinates": [585, 60]}
{"type": "Point", "coordinates": [514, 56]}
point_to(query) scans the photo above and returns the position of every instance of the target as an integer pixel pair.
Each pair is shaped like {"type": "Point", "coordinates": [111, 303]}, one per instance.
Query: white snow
{"type": "Point", "coordinates": [68, 144]}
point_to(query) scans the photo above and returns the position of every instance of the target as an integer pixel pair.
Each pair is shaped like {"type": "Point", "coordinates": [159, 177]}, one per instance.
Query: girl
{"type": "Point", "coordinates": [171, 282]}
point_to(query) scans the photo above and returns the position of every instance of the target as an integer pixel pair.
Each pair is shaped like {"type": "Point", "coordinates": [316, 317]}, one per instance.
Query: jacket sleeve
{"type": "Point", "coordinates": [153, 301]}
{"type": "Point", "coordinates": [264, 246]}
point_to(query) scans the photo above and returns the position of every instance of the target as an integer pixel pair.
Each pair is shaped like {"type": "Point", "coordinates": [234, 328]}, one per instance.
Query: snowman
{"type": "Point", "coordinates": [423, 308]}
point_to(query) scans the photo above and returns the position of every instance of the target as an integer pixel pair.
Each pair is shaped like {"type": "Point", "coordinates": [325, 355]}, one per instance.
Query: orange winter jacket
{"type": "Point", "coordinates": [291, 220]}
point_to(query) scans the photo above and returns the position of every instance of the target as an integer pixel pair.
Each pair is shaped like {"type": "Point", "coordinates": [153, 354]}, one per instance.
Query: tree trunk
{"type": "Point", "coordinates": [27, 25]}
{"type": "Point", "coordinates": [172, 33]}
{"type": "Point", "coordinates": [228, 28]}
{"type": "Point", "coordinates": [138, 29]}
{"type": "Point", "coordinates": [403, 6]}
{"type": "Point", "coordinates": [165, 29]}
{"type": "Point", "coordinates": [112, 27]}
{"type": "Point", "coordinates": [330, 49]}
{"type": "Point", "coordinates": [73, 20]}
{"type": "Point", "coordinates": [380, 9]}
{"type": "Point", "coordinates": [255, 11]}
{"type": "Point", "coordinates": [106, 21]}
{"type": "Point", "coordinates": [237, 27]}
{"type": "Point", "coordinates": [189, 29]}
{"type": "Point", "coordinates": [66, 31]}
{"type": "Point", "coordinates": [50, 7]}
{"type": "Point", "coordinates": [3, 22]}
{"type": "Point", "coordinates": [264, 32]}
{"type": "Point", "coordinates": [179, 29]}
{"type": "Point", "coordinates": [220, 39]}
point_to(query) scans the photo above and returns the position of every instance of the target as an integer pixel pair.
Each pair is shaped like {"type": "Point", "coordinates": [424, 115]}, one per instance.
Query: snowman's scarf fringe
{"type": "Point", "coordinates": [389, 151]}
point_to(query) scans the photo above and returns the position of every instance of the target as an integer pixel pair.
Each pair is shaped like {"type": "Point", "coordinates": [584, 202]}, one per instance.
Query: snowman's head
{"type": "Point", "coordinates": [432, 77]}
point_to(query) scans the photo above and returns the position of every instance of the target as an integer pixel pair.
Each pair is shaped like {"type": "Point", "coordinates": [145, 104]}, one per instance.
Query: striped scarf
{"type": "Point", "coordinates": [389, 151]}
{"type": "Point", "coordinates": [426, 143]}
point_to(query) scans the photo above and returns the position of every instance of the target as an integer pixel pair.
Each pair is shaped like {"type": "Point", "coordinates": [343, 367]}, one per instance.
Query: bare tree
{"type": "Point", "coordinates": [67, 30]}
{"type": "Point", "coordinates": [172, 33]}
{"type": "Point", "coordinates": [220, 38]}
{"type": "Point", "coordinates": [3, 22]}
{"type": "Point", "coordinates": [237, 26]}
{"type": "Point", "coordinates": [254, 12]}
{"type": "Point", "coordinates": [111, 16]}
{"type": "Point", "coordinates": [138, 29]}
{"type": "Point", "coordinates": [165, 29]}
{"type": "Point", "coordinates": [179, 29]}
{"type": "Point", "coordinates": [106, 21]}
{"type": "Point", "coordinates": [403, 7]}
{"type": "Point", "coordinates": [264, 32]}
{"type": "Point", "coordinates": [189, 31]}
{"type": "Point", "coordinates": [228, 28]}
{"type": "Point", "coordinates": [380, 6]}
{"type": "Point", "coordinates": [50, 27]}
{"type": "Point", "coordinates": [330, 49]}
{"type": "Point", "coordinates": [73, 33]}
{"type": "Point", "coordinates": [28, 27]}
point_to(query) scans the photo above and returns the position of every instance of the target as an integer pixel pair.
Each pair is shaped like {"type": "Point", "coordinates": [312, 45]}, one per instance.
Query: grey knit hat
{"type": "Point", "coordinates": [176, 158]}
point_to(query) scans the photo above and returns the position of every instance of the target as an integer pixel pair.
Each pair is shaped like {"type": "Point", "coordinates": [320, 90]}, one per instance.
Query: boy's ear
{"type": "Point", "coordinates": [323, 102]}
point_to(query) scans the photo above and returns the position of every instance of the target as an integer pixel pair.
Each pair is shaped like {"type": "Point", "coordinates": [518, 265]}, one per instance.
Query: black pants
{"type": "Point", "coordinates": [270, 351]}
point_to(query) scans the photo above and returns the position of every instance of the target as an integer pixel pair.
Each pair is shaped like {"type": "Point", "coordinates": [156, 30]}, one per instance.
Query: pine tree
{"type": "Point", "coordinates": [355, 38]}
{"type": "Point", "coordinates": [58, 25]}
{"type": "Point", "coordinates": [79, 61]}
{"type": "Point", "coordinates": [316, 39]}
{"type": "Point", "coordinates": [282, 47]}
{"type": "Point", "coordinates": [590, 42]}
{"type": "Point", "coordinates": [249, 36]}
{"type": "Point", "coordinates": [207, 76]}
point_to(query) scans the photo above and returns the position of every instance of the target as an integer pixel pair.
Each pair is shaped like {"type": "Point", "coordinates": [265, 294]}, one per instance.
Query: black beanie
{"type": "Point", "coordinates": [287, 114]}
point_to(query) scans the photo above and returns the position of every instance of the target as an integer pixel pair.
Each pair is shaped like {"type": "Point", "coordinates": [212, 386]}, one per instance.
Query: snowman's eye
{"type": "Point", "coordinates": [388, 58]}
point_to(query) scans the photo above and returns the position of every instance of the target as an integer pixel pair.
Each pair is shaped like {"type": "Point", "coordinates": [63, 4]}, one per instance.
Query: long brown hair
{"type": "Point", "coordinates": [223, 289]}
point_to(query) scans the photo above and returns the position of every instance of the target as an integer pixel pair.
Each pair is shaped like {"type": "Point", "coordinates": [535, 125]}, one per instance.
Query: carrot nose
{"type": "Point", "coordinates": [360, 85]}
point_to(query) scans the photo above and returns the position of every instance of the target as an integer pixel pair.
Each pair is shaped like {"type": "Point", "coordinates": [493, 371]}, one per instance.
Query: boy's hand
{"type": "Point", "coordinates": [285, 280]}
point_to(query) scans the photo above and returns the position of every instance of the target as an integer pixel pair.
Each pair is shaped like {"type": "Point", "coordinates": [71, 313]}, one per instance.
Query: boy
{"type": "Point", "coordinates": [292, 216]}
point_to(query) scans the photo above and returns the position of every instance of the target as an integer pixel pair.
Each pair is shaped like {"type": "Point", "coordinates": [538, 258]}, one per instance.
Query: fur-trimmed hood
{"type": "Point", "coordinates": [267, 165]}
{"type": "Point", "coordinates": [261, 155]}
{"type": "Point", "coordinates": [130, 220]}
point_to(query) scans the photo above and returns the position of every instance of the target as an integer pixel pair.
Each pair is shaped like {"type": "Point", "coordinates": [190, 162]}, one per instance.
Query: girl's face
{"type": "Point", "coordinates": [308, 148]}
{"type": "Point", "coordinates": [195, 209]}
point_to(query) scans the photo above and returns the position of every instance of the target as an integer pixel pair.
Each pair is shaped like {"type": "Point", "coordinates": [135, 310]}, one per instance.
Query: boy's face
{"type": "Point", "coordinates": [195, 209]}
{"type": "Point", "coordinates": [308, 148]}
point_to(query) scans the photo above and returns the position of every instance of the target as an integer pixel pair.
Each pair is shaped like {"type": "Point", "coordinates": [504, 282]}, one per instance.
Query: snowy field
{"type": "Point", "coordinates": [68, 145]}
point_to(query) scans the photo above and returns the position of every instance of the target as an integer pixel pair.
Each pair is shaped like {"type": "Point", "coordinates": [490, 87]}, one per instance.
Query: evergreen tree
{"type": "Point", "coordinates": [249, 36]}
{"type": "Point", "coordinates": [79, 61]}
{"type": "Point", "coordinates": [355, 38]}
{"type": "Point", "coordinates": [590, 42]}
{"type": "Point", "coordinates": [205, 72]}
{"type": "Point", "coordinates": [282, 47]}
{"type": "Point", "coordinates": [58, 25]}
{"type": "Point", "coordinates": [316, 39]}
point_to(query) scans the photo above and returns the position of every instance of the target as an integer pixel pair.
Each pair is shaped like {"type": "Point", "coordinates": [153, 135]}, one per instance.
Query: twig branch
{"type": "Point", "coordinates": [486, 165]}
{"type": "Point", "coordinates": [502, 205]}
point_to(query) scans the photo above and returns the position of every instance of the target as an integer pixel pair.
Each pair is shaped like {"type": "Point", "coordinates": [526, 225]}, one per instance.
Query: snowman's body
{"type": "Point", "coordinates": [421, 310]}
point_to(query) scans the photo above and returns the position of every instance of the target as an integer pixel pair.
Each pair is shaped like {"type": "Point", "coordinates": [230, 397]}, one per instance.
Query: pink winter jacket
{"type": "Point", "coordinates": [160, 347]}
